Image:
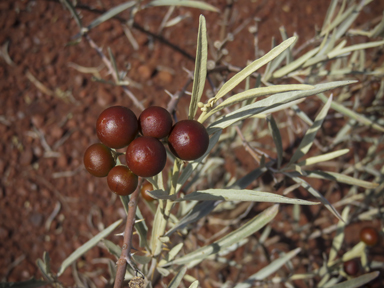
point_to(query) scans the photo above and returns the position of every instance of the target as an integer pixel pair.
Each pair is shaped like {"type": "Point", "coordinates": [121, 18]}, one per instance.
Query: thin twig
{"type": "Point", "coordinates": [112, 71]}
{"type": "Point", "coordinates": [125, 256]}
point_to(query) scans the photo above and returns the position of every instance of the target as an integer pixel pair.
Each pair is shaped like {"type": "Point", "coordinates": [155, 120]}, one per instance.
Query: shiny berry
{"type": "Point", "coordinates": [155, 122]}
{"type": "Point", "coordinates": [117, 126]}
{"type": "Point", "coordinates": [146, 156]}
{"type": "Point", "coordinates": [122, 181]}
{"type": "Point", "coordinates": [188, 140]}
{"type": "Point", "coordinates": [144, 191]}
{"type": "Point", "coordinates": [352, 267]}
{"type": "Point", "coordinates": [369, 236]}
{"type": "Point", "coordinates": [98, 160]}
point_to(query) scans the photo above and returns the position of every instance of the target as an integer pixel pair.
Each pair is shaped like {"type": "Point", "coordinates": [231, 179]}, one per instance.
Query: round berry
{"type": "Point", "coordinates": [188, 140]}
{"type": "Point", "coordinates": [155, 122]}
{"type": "Point", "coordinates": [122, 181]}
{"type": "Point", "coordinates": [98, 160]}
{"type": "Point", "coordinates": [352, 267]}
{"type": "Point", "coordinates": [144, 191]}
{"type": "Point", "coordinates": [117, 126]}
{"type": "Point", "coordinates": [369, 236]}
{"type": "Point", "coordinates": [146, 156]}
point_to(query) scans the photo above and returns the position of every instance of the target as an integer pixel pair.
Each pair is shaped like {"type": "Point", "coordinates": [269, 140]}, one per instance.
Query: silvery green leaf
{"type": "Point", "coordinates": [159, 224]}
{"type": "Point", "coordinates": [240, 76]}
{"type": "Point", "coordinates": [339, 237]}
{"type": "Point", "coordinates": [335, 53]}
{"type": "Point", "coordinates": [254, 93]}
{"type": "Point", "coordinates": [241, 195]}
{"type": "Point", "coordinates": [269, 103]}
{"type": "Point", "coordinates": [185, 3]}
{"type": "Point", "coordinates": [268, 270]}
{"type": "Point", "coordinates": [200, 68]}
{"type": "Point", "coordinates": [72, 9]}
{"type": "Point", "coordinates": [141, 228]}
{"type": "Point", "coordinates": [195, 284]}
{"type": "Point", "coordinates": [41, 265]}
{"type": "Point", "coordinates": [307, 141]}
{"type": "Point", "coordinates": [111, 13]}
{"type": "Point", "coordinates": [295, 64]}
{"type": "Point", "coordinates": [244, 231]}
{"type": "Point", "coordinates": [175, 282]}
{"type": "Point", "coordinates": [163, 271]}
{"type": "Point", "coordinates": [315, 193]}
{"type": "Point", "coordinates": [323, 158]}
{"type": "Point", "coordinates": [339, 19]}
{"type": "Point", "coordinates": [352, 114]}
{"type": "Point", "coordinates": [341, 178]}
{"type": "Point", "coordinates": [86, 246]}
{"type": "Point", "coordinates": [358, 281]}
{"type": "Point", "coordinates": [112, 248]}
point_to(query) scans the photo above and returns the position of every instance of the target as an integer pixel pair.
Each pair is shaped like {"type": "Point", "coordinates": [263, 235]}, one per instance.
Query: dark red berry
{"type": "Point", "coordinates": [369, 236]}
{"type": "Point", "coordinates": [98, 160]}
{"type": "Point", "coordinates": [122, 181]}
{"type": "Point", "coordinates": [188, 140]}
{"type": "Point", "coordinates": [352, 267]}
{"type": "Point", "coordinates": [117, 126]}
{"type": "Point", "coordinates": [144, 191]}
{"type": "Point", "coordinates": [146, 156]}
{"type": "Point", "coordinates": [155, 122]}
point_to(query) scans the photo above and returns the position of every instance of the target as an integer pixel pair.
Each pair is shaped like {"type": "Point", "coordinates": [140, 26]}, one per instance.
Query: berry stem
{"type": "Point", "coordinates": [125, 256]}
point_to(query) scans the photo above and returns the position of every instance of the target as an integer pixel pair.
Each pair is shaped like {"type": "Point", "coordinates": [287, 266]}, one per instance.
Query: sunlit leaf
{"type": "Point", "coordinates": [86, 246]}
{"type": "Point", "coordinates": [339, 237]}
{"type": "Point", "coordinates": [268, 270]}
{"type": "Point", "coordinates": [244, 231]}
{"type": "Point", "coordinates": [270, 103]}
{"type": "Point", "coordinates": [254, 93]}
{"type": "Point", "coordinates": [335, 53]}
{"type": "Point", "coordinates": [307, 141]}
{"type": "Point", "coordinates": [185, 3]}
{"type": "Point", "coordinates": [240, 76]}
{"type": "Point", "coordinates": [200, 68]}
{"type": "Point", "coordinates": [195, 284]}
{"type": "Point", "coordinates": [241, 195]}
{"type": "Point", "coordinates": [341, 178]}
{"type": "Point", "coordinates": [111, 13]}
{"type": "Point", "coordinates": [358, 281]}
{"type": "Point", "coordinates": [175, 282]}
{"type": "Point", "coordinates": [323, 158]}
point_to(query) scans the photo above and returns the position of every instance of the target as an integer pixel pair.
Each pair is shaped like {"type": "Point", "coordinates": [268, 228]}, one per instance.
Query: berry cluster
{"type": "Point", "coordinates": [117, 127]}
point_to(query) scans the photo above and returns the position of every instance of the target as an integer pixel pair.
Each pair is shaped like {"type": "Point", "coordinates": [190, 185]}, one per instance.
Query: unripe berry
{"type": "Point", "coordinates": [188, 140]}
{"type": "Point", "coordinates": [369, 236]}
{"type": "Point", "coordinates": [144, 191]}
{"type": "Point", "coordinates": [117, 126]}
{"type": "Point", "coordinates": [122, 181]}
{"type": "Point", "coordinates": [146, 156]}
{"type": "Point", "coordinates": [98, 160]}
{"type": "Point", "coordinates": [155, 122]}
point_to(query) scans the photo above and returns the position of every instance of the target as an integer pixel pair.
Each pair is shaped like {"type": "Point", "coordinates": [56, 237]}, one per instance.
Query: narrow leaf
{"type": "Point", "coordinates": [241, 195]}
{"type": "Point", "coordinates": [72, 9]}
{"type": "Point", "coordinates": [159, 224]}
{"type": "Point", "coordinates": [352, 114]}
{"type": "Point", "coordinates": [256, 92]}
{"type": "Point", "coordinates": [244, 231]}
{"type": "Point", "coordinates": [195, 284]}
{"type": "Point", "coordinates": [358, 282]}
{"type": "Point", "coordinates": [200, 68]}
{"type": "Point", "coordinates": [276, 139]}
{"type": "Point", "coordinates": [307, 141]}
{"type": "Point", "coordinates": [236, 79]}
{"type": "Point", "coordinates": [111, 13]}
{"type": "Point", "coordinates": [341, 178]}
{"type": "Point", "coordinates": [178, 277]}
{"type": "Point", "coordinates": [185, 3]}
{"type": "Point", "coordinates": [85, 247]}
{"type": "Point", "coordinates": [269, 103]}
{"type": "Point", "coordinates": [315, 193]}
{"type": "Point", "coordinates": [268, 270]}
{"type": "Point", "coordinates": [339, 237]}
{"type": "Point", "coordinates": [323, 158]}
{"type": "Point", "coordinates": [295, 64]}
{"type": "Point", "coordinates": [352, 48]}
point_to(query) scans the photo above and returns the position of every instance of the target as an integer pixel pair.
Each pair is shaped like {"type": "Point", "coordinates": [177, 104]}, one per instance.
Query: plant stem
{"type": "Point", "coordinates": [127, 245]}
